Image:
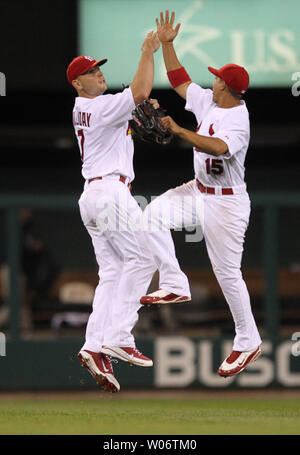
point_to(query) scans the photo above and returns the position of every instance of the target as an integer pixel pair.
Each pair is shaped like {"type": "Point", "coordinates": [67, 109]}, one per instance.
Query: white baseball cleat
{"type": "Point", "coordinates": [162, 297]}
{"type": "Point", "coordinates": [237, 361]}
{"type": "Point", "coordinates": [131, 355]}
{"type": "Point", "coordinates": [100, 367]}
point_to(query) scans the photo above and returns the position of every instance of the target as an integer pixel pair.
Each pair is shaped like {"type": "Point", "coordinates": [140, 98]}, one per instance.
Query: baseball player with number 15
{"type": "Point", "coordinates": [220, 202]}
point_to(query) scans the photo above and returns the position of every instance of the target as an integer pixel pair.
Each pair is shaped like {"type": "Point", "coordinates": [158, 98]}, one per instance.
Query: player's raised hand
{"type": "Point", "coordinates": [151, 42]}
{"type": "Point", "coordinates": [165, 27]}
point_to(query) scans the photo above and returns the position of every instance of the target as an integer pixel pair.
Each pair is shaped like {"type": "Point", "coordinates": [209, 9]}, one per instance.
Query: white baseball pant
{"type": "Point", "coordinates": [114, 219]}
{"type": "Point", "coordinates": [224, 220]}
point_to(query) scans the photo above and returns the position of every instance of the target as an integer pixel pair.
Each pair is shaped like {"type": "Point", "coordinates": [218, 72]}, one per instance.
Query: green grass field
{"type": "Point", "coordinates": [114, 416]}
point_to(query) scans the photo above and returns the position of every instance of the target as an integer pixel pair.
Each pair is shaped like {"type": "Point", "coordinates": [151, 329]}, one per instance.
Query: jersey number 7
{"type": "Point", "coordinates": [81, 135]}
{"type": "Point", "coordinates": [214, 166]}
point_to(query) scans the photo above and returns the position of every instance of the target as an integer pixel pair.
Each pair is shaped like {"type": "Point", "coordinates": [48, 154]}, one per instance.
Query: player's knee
{"type": "Point", "coordinates": [109, 275]}
{"type": "Point", "coordinates": [151, 216]}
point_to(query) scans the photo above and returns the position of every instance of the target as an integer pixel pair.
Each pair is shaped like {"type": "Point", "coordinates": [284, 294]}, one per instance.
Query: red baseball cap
{"type": "Point", "coordinates": [235, 76]}
{"type": "Point", "coordinates": [81, 65]}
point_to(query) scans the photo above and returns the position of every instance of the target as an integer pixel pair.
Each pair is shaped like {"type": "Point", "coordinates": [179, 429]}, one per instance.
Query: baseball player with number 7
{"type": "Point", "coordinates": [220, 202]}
{"type": "Point", "coordinates": [109, 211]}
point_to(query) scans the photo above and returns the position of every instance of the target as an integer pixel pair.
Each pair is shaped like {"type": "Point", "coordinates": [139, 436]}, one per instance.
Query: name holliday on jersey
{"type": "Point", "coordinates": [81, 118]}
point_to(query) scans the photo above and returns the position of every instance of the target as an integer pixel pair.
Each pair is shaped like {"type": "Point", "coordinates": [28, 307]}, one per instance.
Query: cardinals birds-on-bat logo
{"type": "Point", "coordinates": [211, 131]}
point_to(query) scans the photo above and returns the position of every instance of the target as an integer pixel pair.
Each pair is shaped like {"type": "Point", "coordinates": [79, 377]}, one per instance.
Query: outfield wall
{"type": "Point", "coordinates": [179, 363]}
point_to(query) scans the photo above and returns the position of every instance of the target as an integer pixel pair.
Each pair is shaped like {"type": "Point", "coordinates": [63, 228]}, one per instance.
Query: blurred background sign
{"type": "Point", "coordinates": [262, 35]}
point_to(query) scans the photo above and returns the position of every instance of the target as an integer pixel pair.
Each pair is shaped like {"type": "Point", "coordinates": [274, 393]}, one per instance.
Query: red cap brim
{"type": "Point", "coordinates": [214, 71]}
{"type": "Point", "coordinates": [100, 62]}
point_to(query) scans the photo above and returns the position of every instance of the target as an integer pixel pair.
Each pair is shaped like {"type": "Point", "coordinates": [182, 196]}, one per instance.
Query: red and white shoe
{"type": "Point", "coordinates": [162, 297]}
{"type": "Point", "coordinates": [100, 367]}
{"type": "Point", "coordinates": [131, 355]}
{"type": "Point", "coordinates": [237, 361]}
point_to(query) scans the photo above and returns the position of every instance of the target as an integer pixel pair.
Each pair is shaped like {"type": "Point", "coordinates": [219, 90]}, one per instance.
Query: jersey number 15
{"type": "Point", "coordinates": [214, 166]}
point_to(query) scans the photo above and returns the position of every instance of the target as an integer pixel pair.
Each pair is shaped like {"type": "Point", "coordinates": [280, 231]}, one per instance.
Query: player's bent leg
{"type": "Point", "coordinates": [137, 272]}
{"type": "Point", "coordinates": [176, 208]}
{"type": "Point", "coordinates": [135, 279]}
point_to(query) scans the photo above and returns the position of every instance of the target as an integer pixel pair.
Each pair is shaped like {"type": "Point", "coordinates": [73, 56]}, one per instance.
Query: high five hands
{"type": "Point", "coordinates": [151, 42]}
{"type": "Point", "coordinates": [165, 30]}
{"type": "Point", "coordinates": [166, 33]}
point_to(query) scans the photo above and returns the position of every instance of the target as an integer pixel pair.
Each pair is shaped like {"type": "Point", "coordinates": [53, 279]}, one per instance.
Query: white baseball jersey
{"type": "Point", "coordinates": [103, 134]}
{"type": "Point", "coordinates": [232, 126]}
